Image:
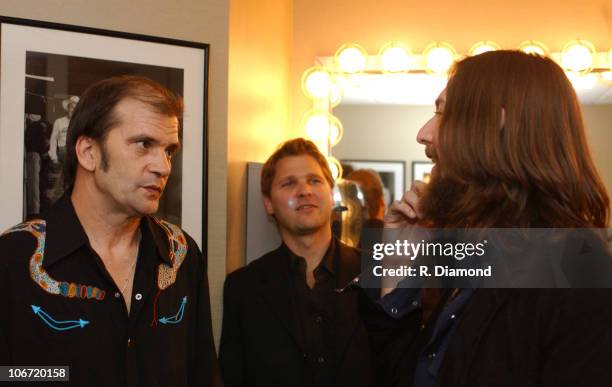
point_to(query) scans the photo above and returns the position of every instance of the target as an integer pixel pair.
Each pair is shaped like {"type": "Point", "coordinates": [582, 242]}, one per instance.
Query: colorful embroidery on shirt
{"type": "Point", "coordinates": [38, 228]}
{"type": "Point", "coordinates": [178, 317]}
{"type": "Point", "coordinates": [166, 275]}
{"type": "Point", "coordinates": [58, 325]}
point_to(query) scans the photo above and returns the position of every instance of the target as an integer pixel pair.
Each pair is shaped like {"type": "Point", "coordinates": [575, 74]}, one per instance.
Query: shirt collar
{"type": "Point", "coordinates": [327, 262]}
{"type": "Point", "coordinates": [65, 234]}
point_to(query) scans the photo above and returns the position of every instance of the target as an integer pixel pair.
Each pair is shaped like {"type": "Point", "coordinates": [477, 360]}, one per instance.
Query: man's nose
{"type": "Point", "coordinates": [161, 164]}
{"type": "Point", "coordinates": [426, 133]}
{"type": "Point", "coordinates": [304, 189]}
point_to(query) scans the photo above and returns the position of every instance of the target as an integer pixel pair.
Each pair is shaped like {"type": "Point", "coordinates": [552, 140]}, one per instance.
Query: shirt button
{"type": "Point", "coordinates": [431, 356]}
{"type": "Point", "coordinates": [129, 343]}
{"type": "Point", "coordinates": [394, 310]}
{"type": "Point", "coordinates": [415, 303]}
{"type": "Point", "coordinates": [320, 360]}
{"type": "Point", "coordinates": [117, 295]}
{"type": "Point", "coordinates": [138, 296]}
{"type": "Point", "coordinates": [318, 319]}
{"type": "Point", "coordinates": [453, 317]}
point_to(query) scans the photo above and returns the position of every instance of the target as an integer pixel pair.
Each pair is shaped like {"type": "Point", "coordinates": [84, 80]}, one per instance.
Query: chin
{"type": "Point", "coordinates": [147, 210]}
{"type": "Point", "coordinates": [305, 229]}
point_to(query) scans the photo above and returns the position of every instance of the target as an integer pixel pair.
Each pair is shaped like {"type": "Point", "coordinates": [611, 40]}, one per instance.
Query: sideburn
{"type": "Point", "coordinates": [104, 154]}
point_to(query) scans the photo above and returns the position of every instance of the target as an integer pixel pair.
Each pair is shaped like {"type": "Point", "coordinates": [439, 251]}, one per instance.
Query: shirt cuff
{"type": "Point", "coordinates": [401, 301]}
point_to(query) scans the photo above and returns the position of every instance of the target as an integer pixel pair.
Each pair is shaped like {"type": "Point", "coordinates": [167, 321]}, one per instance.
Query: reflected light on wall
{"type": "Point", "coordinates": [395, 58]}
{"type": "Point", "coordinates": [577, 56]}
{"type": "Point", "coordinates": [351, 58]}
{"type": "Point", "coordinates": [484, 46]}
{"type": "Point", "coordinates": [533, 47]}
{"type": "Point", "coordinates": [439, 57]}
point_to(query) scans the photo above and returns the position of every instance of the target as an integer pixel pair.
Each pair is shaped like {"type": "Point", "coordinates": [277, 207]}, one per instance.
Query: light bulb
{"type": "Point", "coordinates": [482, 47]}
{"type": "Point", "coordinates": [439, 57]}
{"type": "Point", "coordinates": [395, 58]}
{"type": "Point", "coordinates": [577, 56]}
{"type": "Point", "coordinates": [316, 83]}
{"type": "Point", "coordinates": [351, 58]}
{"type": "Point", "coordinates": [533, 47]}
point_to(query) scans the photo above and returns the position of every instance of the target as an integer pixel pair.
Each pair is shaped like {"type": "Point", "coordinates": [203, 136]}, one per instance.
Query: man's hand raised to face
{"type": "Point", "coordinates": [406, 211]}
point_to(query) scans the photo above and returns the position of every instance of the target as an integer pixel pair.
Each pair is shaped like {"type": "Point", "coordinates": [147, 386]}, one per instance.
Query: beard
{"type": "Point", "coordinates": [439, 200]}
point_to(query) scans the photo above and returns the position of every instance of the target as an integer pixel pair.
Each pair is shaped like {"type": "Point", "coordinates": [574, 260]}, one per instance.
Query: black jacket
{"type": "Point", "coordinates": [508, 337]}
{"type": "Point", "coordinates": [261, 341]}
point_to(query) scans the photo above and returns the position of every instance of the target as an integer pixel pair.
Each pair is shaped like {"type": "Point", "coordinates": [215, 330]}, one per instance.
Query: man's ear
{"type": "Point", "coordinates": [268, 205]}
{"type": "Point", "coordinates": [87, 153]}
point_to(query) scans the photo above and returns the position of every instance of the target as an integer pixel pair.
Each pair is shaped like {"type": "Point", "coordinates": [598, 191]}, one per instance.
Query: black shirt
{"type": "Point", "coordinates": [61, 307]}
{"type": "Point", "coordinates": [316, 308]}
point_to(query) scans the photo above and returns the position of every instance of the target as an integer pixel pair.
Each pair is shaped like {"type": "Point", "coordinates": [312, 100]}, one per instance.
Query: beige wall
{"type": "Point", "coordinates": [598, 121]}
{"type": "Point", "coordinates": [260, 48]}
{"type": "Point", "coordinates": [382, 133]}
{"type": "Point", "coordinates": [389, 133]}
{"type": "Point", "coordinates": [201, 21]}
{"type": "Point", "coordinates": [321, 26]}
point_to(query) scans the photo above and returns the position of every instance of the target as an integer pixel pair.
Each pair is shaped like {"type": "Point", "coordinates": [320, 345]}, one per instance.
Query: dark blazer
{"type": "Point", "coordinates": [509, 337]}
{"type": "Point", "coordinates": [261, 341]}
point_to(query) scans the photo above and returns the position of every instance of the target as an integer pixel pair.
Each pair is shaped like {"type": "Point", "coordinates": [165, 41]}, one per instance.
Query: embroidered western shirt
{"type": "Point", "coordinates": [60, 307]}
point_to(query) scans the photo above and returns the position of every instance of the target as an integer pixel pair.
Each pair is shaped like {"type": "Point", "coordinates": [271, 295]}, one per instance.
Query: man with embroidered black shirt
{"type": "Point", "coordinates": [285, 322]}
{"type": "Point", "coordinates": [97, 283]}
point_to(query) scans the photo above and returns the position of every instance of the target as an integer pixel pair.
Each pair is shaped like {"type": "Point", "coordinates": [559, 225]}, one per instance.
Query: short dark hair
{"type": "Point", "coordinates": [94, 115]}
{"type": "Point", "coordinates": [295, 147]}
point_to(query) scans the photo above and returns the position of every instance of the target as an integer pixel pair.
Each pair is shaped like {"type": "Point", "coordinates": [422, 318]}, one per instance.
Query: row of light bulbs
{"type": "Point", "coordinates": [577, 58]}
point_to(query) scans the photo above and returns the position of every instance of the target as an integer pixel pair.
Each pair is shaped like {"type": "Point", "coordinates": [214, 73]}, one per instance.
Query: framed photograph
{"type": "Point", "coordinates": [421, 170]}
{"type": "Point", "coordinates": [45, 67]}
{"type": "Point", "coordinates": [392, 174]}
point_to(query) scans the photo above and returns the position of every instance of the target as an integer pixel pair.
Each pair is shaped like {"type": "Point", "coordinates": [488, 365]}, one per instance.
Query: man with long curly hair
{"type": "Point", "coordinates": [510, 150]}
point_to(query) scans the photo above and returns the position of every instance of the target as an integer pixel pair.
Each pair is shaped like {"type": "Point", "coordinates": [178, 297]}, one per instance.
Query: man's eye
{"type": "Point", "coordinates": [286, 184]}
{"type": "Point", "coordinates": [144, 144]}
{"type": "Point", "coordinates": [315, 181]}
{"type": "Point", "coordinates": [170, 153]}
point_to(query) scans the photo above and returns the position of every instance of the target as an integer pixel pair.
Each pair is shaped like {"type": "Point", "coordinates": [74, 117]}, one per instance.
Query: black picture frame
{"type": "Point", "coordinates": [392, 174]}
{"type": "Point", "coordinates": [91, 54]}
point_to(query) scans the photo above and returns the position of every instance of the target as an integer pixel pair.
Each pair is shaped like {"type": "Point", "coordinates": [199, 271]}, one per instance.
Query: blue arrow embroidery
{"type": "Point", "coordinates": [58, 325]}
{"type": "Point", "coordinates": [178, 316]}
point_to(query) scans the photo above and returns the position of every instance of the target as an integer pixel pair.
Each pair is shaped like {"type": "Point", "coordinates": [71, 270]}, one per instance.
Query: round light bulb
{"type": "Point", "coordinates": [533, 47]}
{"type": "Point", "coordinates": [323, 127]}
{"type": "Point", "coordinates": [395, 58]}
{"type": "Point", "coordinates": [577, 56]}
{"type": "Point", "coordinates": [439, 57]}
{"type": "Point", "coordinates": [316, 83]}
{"type": "Point", "coordinates": [482, 47]}
{"type": "Point", "coordinates": [351, 58]}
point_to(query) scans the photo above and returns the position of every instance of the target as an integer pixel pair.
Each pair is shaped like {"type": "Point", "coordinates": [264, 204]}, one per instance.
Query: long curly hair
{"type": "Point", "coordinates": [512, 142]}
